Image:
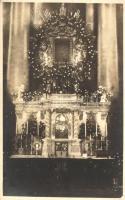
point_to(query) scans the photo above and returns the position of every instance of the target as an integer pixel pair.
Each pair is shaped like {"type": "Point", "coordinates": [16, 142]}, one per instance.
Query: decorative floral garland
{"type": "Point", "coordinates": [84, 56]}
{"type": "Point", "coordinates": [100, 95]}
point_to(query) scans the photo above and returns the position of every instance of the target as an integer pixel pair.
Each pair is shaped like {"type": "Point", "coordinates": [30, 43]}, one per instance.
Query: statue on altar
{"type": "Point", "coordinates": [103, 98]}
{"type": "Point", "coordinates": [62, 10]}
{"type": "Point", "coordinates": [20, 91]}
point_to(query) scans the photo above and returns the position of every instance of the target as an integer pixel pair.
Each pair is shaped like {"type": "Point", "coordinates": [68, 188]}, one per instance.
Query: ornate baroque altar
{"type": "Point", "coordinates": [64, 114]}
{"type": "Point", "coordinates": [51, 127]}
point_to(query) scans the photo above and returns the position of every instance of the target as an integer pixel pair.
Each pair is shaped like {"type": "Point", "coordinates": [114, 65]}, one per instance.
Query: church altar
{"type": "Point", "coordinates": [64, 112]}
{"type": "Point", "coordinates": [61, 125]}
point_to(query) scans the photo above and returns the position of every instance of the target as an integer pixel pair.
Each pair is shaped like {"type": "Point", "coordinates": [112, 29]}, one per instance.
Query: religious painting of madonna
{"type": "Point", "coordinates": [63, 99]}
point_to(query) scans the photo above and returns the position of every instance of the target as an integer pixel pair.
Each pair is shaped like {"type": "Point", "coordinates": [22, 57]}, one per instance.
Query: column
{"type": "Point", "coordinates": [38, 121]}
{"type": "Point", "coordinates": [46, 144]}
{"type": "Point", "coordinates": [17, 72]}
{"type": "Point", "coordinates": [90, 16]}
{"type": "Point", "coordinates": [84, 121]}
{"type": "Point", "coordinates": [76, 124]}
{"type": "Point", "coordinates": [53, 116]}
{"type": "Point", "coordinates": [38, 128]}
{"type": "Point", "coordinates": [16, 124]}
{"type": "Point", "coordinates": [107, 48]}
{"type": "Point", "coordinates": [50, 124]}
{"type": "Point", "coordinates": [47, 123]}
{"type": "Point", "coordinates": [96, 124]}
{"type": "Point", "coordinates": [106, 133]}
{"type": "Point", "coordinates": [70, 131]}
{"type": "Point", "coordinates": [27, 127]}
{"type": "Point", "coordinates": [76, 144]}
{"type": "Point", "coordinates": [100, 122]}
{"type": "Point", "coordinates": [19, 122]}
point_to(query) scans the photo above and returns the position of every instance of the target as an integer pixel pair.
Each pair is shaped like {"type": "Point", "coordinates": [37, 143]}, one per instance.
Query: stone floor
{"type": "Point", "coordinates": [61, 177]}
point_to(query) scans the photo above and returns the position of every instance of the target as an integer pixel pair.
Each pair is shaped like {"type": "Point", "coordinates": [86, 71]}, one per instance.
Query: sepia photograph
{"type": "Point", "coordinates": [62, 99]}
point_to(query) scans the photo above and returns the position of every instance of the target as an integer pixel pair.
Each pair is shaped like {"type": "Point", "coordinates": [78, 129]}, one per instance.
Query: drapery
{"type": "Point", "coordinates": [37, 14]}
{"type": "Point", "coordinates": [20, 19]}
{"type": "Point", "coordinates": [17, 70]}
{"type": "Point", "coordinates": [90, 16]}
{"type": "Point", "coordinates": [107, 48]}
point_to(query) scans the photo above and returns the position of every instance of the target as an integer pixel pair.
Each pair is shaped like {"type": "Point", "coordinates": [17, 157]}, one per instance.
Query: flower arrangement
{"type": "Point", "coordinates": [100, 95]}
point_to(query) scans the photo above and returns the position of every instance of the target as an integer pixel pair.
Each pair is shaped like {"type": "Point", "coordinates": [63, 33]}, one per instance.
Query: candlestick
{"type": "Point", "coordinates": [106, 130]}
{"type": "Point", "coordinates": [85, 130]}
{"type": "Point", "coordinates": [21, 140]}
{"type": "Point", "coordinates": [96, 129]}
{"type": "Point", "coordinates": [31, 149]}
{"type": "Point", "coordinates": [27, 127]}
{"type": "Point", "coordinates": [38, 128]}
{"type": "Point", "coordinates": [90, 137]}
{"type": "Point", "coordinates": [106, 136]}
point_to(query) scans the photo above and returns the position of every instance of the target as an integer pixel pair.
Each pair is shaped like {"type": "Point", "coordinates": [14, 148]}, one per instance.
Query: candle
{"type": "Point", "coordinates": [27, 127]}
{"type": "Point", "coordinates": [96, 129]}
{"type": "Point", "coordinates": [85, 130]}
{"type": "Point", "coordinates": [21, 141]}
{"type": "Point", "coordinates": [90, 137]}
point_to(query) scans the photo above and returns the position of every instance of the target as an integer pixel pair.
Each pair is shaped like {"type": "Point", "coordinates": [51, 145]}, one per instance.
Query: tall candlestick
{"type": "Point", "coordinates": [106, 130]}
{"type": "Point", "coordinates": [96, 128]}
{"type": "Point", "coordinates": [106, 136]}
{"type": "Point", "coordinates": [16, 125]}
{"type": "Point", "coordinates": [27, 127]}
{"type": "Point", "coordinates": [90, 137]}
{"type": "Point", "coordinates": [72, 124]}
{"type": "Point", "coordinates": [37, 128]}
{"type": "Point", "coordinates": [84, 121]}
{"type": "Point", "coordinates": [21, 140]}
{"type": "Point", "coordinates": [85, 130]}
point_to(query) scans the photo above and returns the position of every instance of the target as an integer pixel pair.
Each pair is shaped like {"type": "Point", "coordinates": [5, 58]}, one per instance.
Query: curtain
{"type": "Point", "coordinates": [17, 69]}
{"type": "Point", "coordinates": [90, 16]}
{"type": "Point", "coordinates": [37, 14]}
{"type": "Point", "coordinates": [107, 48]}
